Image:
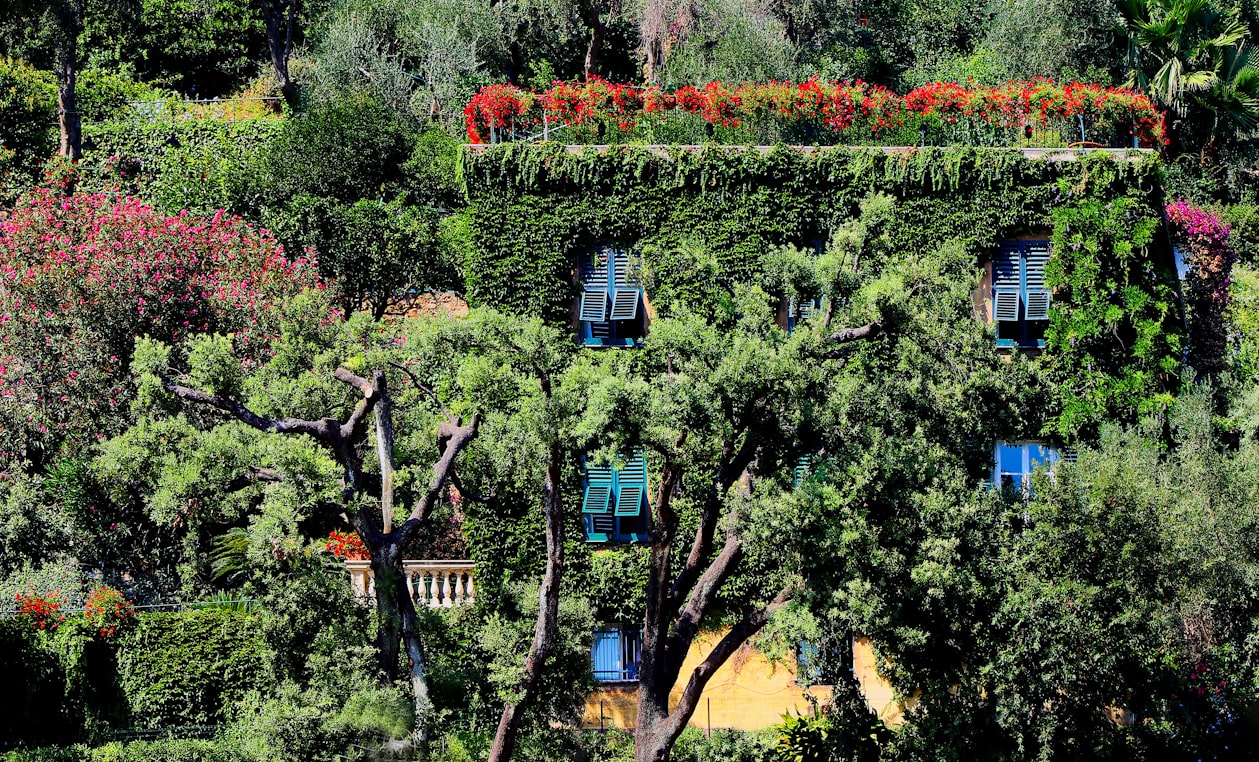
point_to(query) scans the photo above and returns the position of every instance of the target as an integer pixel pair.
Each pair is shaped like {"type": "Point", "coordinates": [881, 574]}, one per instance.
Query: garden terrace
{"type": "Point", "coordinates": [1038, 113]}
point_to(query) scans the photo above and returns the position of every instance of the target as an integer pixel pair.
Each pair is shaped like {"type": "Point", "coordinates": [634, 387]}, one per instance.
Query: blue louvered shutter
{"type": "Point", "coordinates": [1006, 283]}
{"type": "Point", "coordinates": [801, 470]}
{"type": "Point", "coordinates": [1035, 256]}
{"type": "Point", "coordinates": [625, 298]}
{"type": "Point", "coordinates": [594, 295]}
{"type": "Point", "coordinates": [605, 655]}
{"type": "Point", "coordinates": [599, 488]}
{"type": "Point", "coordinates": [631, 486]}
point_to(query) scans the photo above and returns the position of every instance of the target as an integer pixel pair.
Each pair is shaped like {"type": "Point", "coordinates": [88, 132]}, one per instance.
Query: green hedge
{"type": "Point", "coordinates": [167, 670]}
{"type": "Point", "coordinates": [186, 669]}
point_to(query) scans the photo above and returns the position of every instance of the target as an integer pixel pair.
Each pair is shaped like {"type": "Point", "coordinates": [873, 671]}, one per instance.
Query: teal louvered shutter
{"type": "Point", "coordinates": [599, 487]}
{"type": "Point", "coordinates": [594, 306]}
{"type": "Point", "coordinates": [624, 304]}
{"type": "Point", "coordinates": [1006, 283]}
{"type": "Point", "coordinates": [1035, 255]}
{"type": "Point", "coordinates": [594, 284]}
{"type": "Point", "coordinates": [631, 486]}
{"type": "Point", "coordinates": [801, 471]}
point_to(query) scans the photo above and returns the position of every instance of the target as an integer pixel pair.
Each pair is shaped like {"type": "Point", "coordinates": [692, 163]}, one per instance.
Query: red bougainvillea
{"type": "Point", "coordinates": [82, 276]}
{"type": "Point", "coordinates": [833, 105]}
{"type": "Point", "coordinates": [1202, 238]}
{"type": "Point", "coordinates": [346, 545]}
{"type": "Point", "coordinates": [107, 610]}
{"type": "Point", "coordinates": [43, 612]}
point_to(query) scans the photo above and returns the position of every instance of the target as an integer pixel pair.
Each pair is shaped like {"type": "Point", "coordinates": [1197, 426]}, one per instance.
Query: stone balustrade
{"type": "Point", "coordinates": [435, 584]}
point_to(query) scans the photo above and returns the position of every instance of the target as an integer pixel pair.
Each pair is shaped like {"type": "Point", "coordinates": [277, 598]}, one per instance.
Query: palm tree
{"type": "Point", "coordinates": [1234, 98]}
{"type": "Point", "coordinates": [1177, 47]}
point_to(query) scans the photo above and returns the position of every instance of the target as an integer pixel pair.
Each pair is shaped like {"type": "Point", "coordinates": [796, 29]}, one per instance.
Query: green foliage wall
{"type": "Point", "coordinates": [186, 669]}
{"type": "Point", "coordinates": [536, 208]}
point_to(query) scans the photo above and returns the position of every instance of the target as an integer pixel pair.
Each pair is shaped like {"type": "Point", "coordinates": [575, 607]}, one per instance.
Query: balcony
{"type": "Point", "coordinates": [433, 584]}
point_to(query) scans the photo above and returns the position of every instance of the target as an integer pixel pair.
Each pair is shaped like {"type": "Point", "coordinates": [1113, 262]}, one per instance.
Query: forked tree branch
{"type": "Point", "coordinates": [725, 648]}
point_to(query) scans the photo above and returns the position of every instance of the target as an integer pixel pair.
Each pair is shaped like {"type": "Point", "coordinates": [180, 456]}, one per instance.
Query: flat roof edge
{"type": "Point", "coordinates": [1051, 154]}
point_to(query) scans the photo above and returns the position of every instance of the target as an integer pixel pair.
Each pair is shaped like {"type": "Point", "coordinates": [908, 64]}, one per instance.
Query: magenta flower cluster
{"type": "Point", "coordinates": [1206, 237]}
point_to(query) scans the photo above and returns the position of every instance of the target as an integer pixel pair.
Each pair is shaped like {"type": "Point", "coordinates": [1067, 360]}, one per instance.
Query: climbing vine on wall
{"type": "Point", "coordinates": [535, 208]}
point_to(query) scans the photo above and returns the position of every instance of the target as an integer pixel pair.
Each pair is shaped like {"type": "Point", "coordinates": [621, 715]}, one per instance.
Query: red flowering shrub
{"type": "Point", "coordinates": [107, 610]}
{"type": "Point", "coordinates": [42, 611]}
{"type": "Point", "coordinates": [82, 276]}
{"type": "Point", "coordinates": [1203, 239]}
{"type": "Point", "coordinates": [1116, 113]}
{"type": "Point", "coordinates": [346, 545]}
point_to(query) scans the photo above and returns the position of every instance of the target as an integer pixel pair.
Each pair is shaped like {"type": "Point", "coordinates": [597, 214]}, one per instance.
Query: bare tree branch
{"type": "Point", "coordinates": [449, 416]}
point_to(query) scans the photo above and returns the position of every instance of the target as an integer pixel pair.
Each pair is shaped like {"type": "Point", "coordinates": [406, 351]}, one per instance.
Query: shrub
{"type": "Point", "coordinates": [40, 611]}
{"type": "Point", "coordinates": [373, 252]}
{"type": "Point", "coordinates": [28, 119]}
{"type": "Point", "coordinates": [81, 277]}
{"type": "Point", "coordinates": [187, 669]}
{"type": "Point", "coordinates": [346, 150]}
{"type": "Point", "coordinates": [107, 610]}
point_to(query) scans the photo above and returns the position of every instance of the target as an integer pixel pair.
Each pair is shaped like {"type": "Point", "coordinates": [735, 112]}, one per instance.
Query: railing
{"type": "Point", "coordinates": [435, 584]}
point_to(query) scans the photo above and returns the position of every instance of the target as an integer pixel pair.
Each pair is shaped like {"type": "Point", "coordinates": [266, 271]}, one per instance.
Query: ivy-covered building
{"type": "Point", "coordinates": [1069, 256]}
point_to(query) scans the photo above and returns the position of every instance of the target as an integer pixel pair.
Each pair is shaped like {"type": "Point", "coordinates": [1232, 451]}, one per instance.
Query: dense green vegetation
{"type": "Point", "coordinates": [301, 250]}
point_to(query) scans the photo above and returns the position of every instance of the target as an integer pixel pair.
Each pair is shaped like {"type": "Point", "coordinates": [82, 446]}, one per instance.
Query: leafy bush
{"type": "Point", "coordinates": [187, 669]}
{"type": "Point", "coordinates": [347, 150]}
{"type": "Point", "coordinates": [28, 124]}
{"type": "Point", "coordinates": [105, 95]}
{"type": "Point", "coordinates": [86, 275]}
{"type": "Point", "coordinates": [374, 252]}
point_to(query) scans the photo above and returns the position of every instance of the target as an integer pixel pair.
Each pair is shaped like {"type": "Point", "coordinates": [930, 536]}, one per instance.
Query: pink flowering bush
{"type": "Point", "coordinates": [1203, 239]}
{"type": "Point", "coordinates": [82, 276]}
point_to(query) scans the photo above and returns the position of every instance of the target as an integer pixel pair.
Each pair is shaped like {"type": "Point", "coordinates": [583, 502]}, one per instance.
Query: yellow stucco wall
{"type": "Point", "coordinates": [747, 693]}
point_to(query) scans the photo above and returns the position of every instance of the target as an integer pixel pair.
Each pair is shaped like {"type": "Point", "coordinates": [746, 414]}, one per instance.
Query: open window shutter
{"type": "Point", "coordinates": [594, 284]}
{"type": "Point", "coordinates": [631, 486]}
{"type": "Point", "coordinates": [1035, 256]}
{"type": "Point", "coordinates": [598, 496]}
{"type": "Point", "coordinates": [1005, 283]}
{"type": "Point", "coordinates": [594, 306]}
{"type": "Point", "coordinates": [624, 304]}
{"type": "Point", "coordinates": [605, 655]}
{"type": "Point", "coordinates": [801, 471]}
{"type": "Point", "coordinates": [620, 267]}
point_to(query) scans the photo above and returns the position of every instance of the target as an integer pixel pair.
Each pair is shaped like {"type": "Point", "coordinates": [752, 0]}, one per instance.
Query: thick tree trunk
{"type": "Point", "coordinates": [279, 17]}
{"type": "Point", "coordinates": [548, 613]}
{"type": "Point", "coordinates": [386, 561]}
{"type": "Point", "coordinates": [597, 31]}
{"type": "Point", "coordinates": [68, 17]}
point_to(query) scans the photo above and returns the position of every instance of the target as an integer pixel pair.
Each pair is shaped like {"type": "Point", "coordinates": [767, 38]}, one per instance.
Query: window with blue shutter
{"type": "Point", "coordinates": [1015, 462]}
{"type": "Point", "coordinates": [615, 654]}
{"type": "Point", "coordinates": [801, 310]}
{"type": "Point", "coordinates": [610, 307]}
{"type": "Point", "coordinates": [824, 662]}
{"type": "Point", "coordinates": [1020, 299]}
{"type": "Point", "coordinates": [614, 504]}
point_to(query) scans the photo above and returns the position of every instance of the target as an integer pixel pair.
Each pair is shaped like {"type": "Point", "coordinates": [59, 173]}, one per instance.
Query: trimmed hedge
{"type": "Point", "coordinates": [186, 669]}
{"type": "Point", "coordinates": [167, 670]}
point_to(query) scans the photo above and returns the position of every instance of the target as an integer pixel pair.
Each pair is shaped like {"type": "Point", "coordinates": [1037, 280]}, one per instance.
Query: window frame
{"type": "Point", "coordinates": [609, 279]}
{"type": "Point", "coordinates": [610, 524]}
{"type": "Point", "coordinates": [1025, 329]}
{"type": "Point", "coordinates": [1023, 484]}
{"type": "Point", "coordinates": [629, 644]}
